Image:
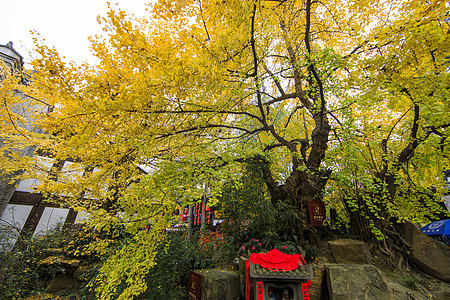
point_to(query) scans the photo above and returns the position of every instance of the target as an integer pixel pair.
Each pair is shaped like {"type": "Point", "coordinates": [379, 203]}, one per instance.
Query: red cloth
{"type": "Point", "coordinates": [274, 260]}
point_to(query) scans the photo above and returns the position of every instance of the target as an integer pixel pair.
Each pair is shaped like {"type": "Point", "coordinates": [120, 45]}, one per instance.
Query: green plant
{"type": "Point", "coordinates": [20, 272]}
{"type": "Point", "coordinates": [175, 258]}
{"type": "Point", "coordinates": [410, 282]}
{"type": "Point", "coordinates": [251, 246]}
{"type": "Point", "coordinates": [250, 215]}
{"type": "Point", "coordinates": [311, 254]}
{"type": "Point", "coordinates": [208, 242]}
{"type": "Point", "coordinates": [246, 207]}
{"type": "Point", "coordinates": [289, 248]}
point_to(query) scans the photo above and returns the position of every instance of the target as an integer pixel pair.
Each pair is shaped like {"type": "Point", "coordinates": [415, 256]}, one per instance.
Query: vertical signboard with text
{"type": "Point", "coordinates": [317, 213]}
{"type": "Point", "coordinates": [195, 285]}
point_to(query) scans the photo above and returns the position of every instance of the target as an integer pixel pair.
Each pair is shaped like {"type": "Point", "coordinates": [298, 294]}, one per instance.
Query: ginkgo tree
{"type": "Point", "coordinates": [198, 88]}
{"type": "Point", "coordinates": [393, 143]}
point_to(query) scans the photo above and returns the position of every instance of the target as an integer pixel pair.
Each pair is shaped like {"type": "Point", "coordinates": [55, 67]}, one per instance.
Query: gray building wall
{"type": "Point", "coordinates": [14, 60]}
{"type": "Point", "coordinates": [11, 57]}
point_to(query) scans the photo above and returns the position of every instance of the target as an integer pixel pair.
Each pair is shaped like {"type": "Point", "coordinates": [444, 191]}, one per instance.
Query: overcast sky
{"type": "Point", "coordinates": [64, 24]}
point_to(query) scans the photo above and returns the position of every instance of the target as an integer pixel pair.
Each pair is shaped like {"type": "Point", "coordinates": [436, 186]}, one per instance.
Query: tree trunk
{"type": "Point", "coordinates": [308, 183]}
{"type": "Point", "coordinates": [358, 213]}
{"type": "Point", "coordinates": [190, 222]}
{"type": "Point", "coordinates": [299, 188]}
{"type": "Point", "coordinates": [203, 220]}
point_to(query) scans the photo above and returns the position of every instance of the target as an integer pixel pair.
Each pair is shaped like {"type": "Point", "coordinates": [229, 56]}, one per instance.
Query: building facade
{"type": "Point", "coordinates": [23, 210]}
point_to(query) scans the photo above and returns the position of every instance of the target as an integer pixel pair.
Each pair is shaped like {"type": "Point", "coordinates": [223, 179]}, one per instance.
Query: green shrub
{"type": "Point", "coordinates": [290, 248]}
{"type": "Point", "coordinates": [250, 215]}
{"type": "Point", "coordinates": [251, 246]}
{"type": "Point", "coordinates": [20, 274]}
{"type": "Point", "coordinates": [311, 254]}
{"type": "Point", "coordinates": [175, 258]}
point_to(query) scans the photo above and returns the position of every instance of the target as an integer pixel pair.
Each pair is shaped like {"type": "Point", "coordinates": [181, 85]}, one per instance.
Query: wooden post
{"type": "Point", "coordinates": [189, 223]}
{"type": "Point", "coordinates": [204, 200]}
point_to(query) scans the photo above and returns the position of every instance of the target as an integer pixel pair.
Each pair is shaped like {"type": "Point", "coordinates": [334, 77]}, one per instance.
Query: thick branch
{"type": "Point", "coordinates": [197, 111]}
{"type": "Point", "coordinates": [294, 141]}
{"type": "Point", "coordinates": [201, 127]}
{"type": "Point", "coordinates": [298, 79]}
{"type": "Point", "coordinates": [408, 152]}
{"type": "Point", "coordinates": [311, 66]}
{"type": "Point", "coordinates": [276, 81]}
{"type": "Point", "coordinates": [253, 44]}
{"type": "Point", "coordinates": [281, 98]}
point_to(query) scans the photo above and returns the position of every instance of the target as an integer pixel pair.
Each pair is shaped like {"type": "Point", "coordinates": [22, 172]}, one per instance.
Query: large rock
{"type": "Point", "coordinates": [348, 251]}
{"type": "Point", "coordinates": [356, 282]}
{"type": "Point", "coordinates": [219, 284]}
{"type": "Point", "coordinates": [62, 282]}
{"type": "Point", "coordinates": [416, 286]}
{"type": "Point", "coordinates": [431, 256]}
{"type": "Point", "coordinates": [402, 293]}
{"type": "Point", "coordinates": [58, 265]}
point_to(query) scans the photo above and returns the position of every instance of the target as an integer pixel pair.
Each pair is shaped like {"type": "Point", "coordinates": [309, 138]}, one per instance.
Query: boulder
{"type": "Point", "coordinates": [56, 265]}
{"type": "Point", "coordinates": [356, 281]}
{"type": "Point", "coordinates": [402, 293]}
{"type": "Point", "coordinates": [416, 286]}
{"type": "Point", "coordinates": [62, 282]}
{"type": "Point", "coordinates": [219, 284]}
{"type": "Point", "coordinates": [429, 255]}
{"type": "Point", "coordinates": [348, 251]}
{"type": "Point", "coordinates": [53, 261]}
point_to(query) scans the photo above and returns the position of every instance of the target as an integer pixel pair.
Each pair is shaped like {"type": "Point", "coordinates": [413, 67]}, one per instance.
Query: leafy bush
{"type": "Point", "coordinates": [250, 215]}
{"type": "Point", "coordinates": [289, 248]}
{"type": "Point", "coordinates": [175, 258]}
{"type": "Point", "coordinates": [251, 246]}
{"type": "Point", "coordinates": [311, 254]}
{"type": "Point", "coordinates": [20, 274]}
{"type": "Point", "coordinates": [208, 242]}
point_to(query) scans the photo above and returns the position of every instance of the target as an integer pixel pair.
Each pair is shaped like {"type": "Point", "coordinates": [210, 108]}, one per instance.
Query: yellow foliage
{"type": "Point", "coordinates": [198, 87]}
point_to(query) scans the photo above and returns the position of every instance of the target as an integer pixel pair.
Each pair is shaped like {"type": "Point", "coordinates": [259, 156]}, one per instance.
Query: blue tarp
{"type": "Point", "coordinates": [438, 229]}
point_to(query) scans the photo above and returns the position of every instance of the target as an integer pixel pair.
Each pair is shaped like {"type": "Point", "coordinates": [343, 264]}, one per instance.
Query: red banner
{"type": "Point", "coordinates": [259, 290]}
{"type": "Point", "coordinates": [305, 291]}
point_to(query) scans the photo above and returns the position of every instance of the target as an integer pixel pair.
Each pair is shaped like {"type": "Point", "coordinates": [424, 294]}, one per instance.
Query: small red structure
{"type": "Point", "coordinates": [276, 275]}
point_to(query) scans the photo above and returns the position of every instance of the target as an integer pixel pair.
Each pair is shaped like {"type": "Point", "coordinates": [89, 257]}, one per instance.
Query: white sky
{"type": "Point", "coordinates": [64, 24]}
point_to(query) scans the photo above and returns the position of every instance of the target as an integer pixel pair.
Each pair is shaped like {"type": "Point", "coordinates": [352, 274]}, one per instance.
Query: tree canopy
{"type": "Point", "coordinates": [350, 94]}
